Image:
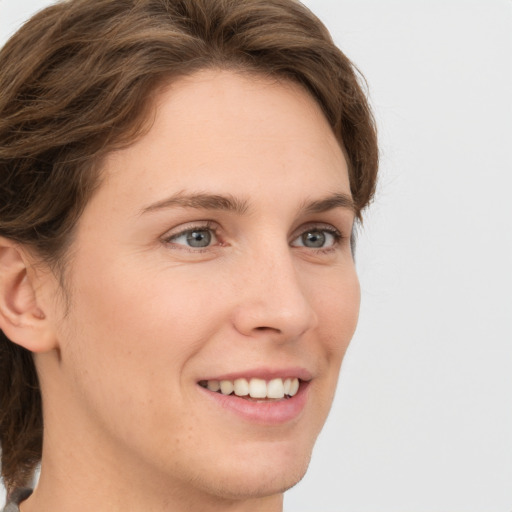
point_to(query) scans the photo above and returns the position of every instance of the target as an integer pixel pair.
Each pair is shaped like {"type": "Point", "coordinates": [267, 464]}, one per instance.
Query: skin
{"type": "Point", "coordinates": [126, 425]}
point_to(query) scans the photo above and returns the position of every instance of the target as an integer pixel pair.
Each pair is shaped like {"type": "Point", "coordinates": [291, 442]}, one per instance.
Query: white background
{"type": "Point", "coordinates": [423, 417]}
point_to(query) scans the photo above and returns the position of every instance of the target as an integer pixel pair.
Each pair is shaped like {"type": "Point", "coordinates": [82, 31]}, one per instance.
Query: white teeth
{"type": "Point", "coordinates": [256, 388]}
{"type": "Point", "coordinates": [226, 387]}
{"type": "Point", "coordinates": [294, 387]}
{"type": "Point", "coordinates": [287, 385]}
{"type": "Point", "coordinates": [275, 388]}
{"type": "Point", "coordinates": [241, 387]}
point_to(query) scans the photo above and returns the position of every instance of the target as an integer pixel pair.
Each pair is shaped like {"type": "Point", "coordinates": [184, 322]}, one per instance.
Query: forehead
{"type": "Point", "coordinates": [221, 131]}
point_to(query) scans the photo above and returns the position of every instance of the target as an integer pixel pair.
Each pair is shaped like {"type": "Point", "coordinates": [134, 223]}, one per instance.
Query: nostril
{"type": "Point", "coordinates": [263, 328]}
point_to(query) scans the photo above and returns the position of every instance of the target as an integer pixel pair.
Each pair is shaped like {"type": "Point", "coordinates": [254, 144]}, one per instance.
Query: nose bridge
{"type": "Point", "coordinates": [273, 297]}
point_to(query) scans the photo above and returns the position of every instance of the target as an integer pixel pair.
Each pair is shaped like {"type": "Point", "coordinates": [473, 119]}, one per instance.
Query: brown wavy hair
{"type": "Point", "coordinates": [76, 82]}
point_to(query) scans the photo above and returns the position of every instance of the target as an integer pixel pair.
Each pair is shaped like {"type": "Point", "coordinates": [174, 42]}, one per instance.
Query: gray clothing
{"type": "Point", "coordinates": [14, 499]}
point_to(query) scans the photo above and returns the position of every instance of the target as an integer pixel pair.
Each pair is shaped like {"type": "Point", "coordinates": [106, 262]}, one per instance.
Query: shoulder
{"type": "Point", "coordinates": [15, 499]}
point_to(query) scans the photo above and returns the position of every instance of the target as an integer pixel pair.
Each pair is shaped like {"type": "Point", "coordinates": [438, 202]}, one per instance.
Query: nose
{"type": "Point", "coordinates": [273, 299]}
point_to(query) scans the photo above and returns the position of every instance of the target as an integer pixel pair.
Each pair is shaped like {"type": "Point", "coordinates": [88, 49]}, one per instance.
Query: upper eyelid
{"type": "Point", "coordinates": [185, 228]}
{"type": "Point", "coordinates": [320, 226]}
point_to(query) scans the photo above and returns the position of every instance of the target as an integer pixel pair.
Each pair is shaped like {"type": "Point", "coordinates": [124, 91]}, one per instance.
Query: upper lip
{"type": "Point", "coordinates": [265, 374]}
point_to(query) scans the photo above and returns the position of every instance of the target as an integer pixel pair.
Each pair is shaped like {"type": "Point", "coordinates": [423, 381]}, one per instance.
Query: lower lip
{"type": "Point", "coordinates": [266, 413]}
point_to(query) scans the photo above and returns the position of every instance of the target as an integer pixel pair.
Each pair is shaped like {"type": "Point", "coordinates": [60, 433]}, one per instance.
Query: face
{"type": "Point", "coordinates": [216, 253]}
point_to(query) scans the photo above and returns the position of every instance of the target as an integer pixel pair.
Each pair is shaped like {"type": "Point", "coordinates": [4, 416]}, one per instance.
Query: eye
{"type": "Point", "coordinates": [317, 238]}
{"type": "Point", "coordinates": [197, 237]}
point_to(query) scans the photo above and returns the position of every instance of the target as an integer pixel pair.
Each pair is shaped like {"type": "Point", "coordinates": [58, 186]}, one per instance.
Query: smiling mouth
{"type": "Point", "coordinates": [255, 389]}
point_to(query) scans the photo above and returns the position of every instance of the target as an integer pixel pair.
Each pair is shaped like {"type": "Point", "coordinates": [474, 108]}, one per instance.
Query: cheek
{"type": "Point", "coordinates": [143, 300]}
{"type": "Point", "coordinates": [126, 347]}
{"type": "Point", "coordinates": [142, 323]}
{"type": "Point", "coordinates": [338, 312]}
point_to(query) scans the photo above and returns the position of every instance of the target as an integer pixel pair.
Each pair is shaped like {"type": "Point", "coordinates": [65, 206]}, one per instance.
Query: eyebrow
{"type": "Point", "coordinates": [201, 201]}
{"type": "Point", "coordinates": [337, 200]}
{"type": "Point", "coordinates": [239, 206]}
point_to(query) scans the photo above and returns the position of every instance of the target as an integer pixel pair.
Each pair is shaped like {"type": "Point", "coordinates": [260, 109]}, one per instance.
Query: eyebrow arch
{"type": "Point", "coordinates": [338, 200]}
{"type": "Point", "coordinates": [200, 201]}
{"type": "Point", "coordinates": [240, 206]}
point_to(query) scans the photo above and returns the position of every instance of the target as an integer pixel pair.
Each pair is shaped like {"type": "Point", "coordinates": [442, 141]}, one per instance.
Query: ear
{"type": "Point", "coordinates": [21, 318]}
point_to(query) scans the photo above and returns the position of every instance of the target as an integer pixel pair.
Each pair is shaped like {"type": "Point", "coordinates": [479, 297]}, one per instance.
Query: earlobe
{"type": "Point", "coordinates": [22, 319]}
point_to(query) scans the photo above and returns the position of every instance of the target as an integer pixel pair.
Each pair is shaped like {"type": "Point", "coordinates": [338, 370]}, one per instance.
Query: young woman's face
{"type": "Point", "coordinates": [216, 252]}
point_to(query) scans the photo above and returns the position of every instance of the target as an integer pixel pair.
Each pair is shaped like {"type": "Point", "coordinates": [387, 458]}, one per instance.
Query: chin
{"type": "Point", "coordinates": [258, 482]}
{"type": "Point", "coordinates": [271, 471]}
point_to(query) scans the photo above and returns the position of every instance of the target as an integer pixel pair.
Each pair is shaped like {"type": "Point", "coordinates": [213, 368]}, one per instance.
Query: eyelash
{"type": "Point", "coordinates": [210, 226]}
{"type": "Point", "coordinates": [204, 226]}
{"type": "Point", "coordinates": [336, 234]}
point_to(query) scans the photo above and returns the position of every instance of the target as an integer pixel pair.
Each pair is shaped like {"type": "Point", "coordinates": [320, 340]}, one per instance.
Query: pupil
{"type": "Point", "coordinates": [199, 238]}
{"type": "Point", "coordinates": [314, 239]}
